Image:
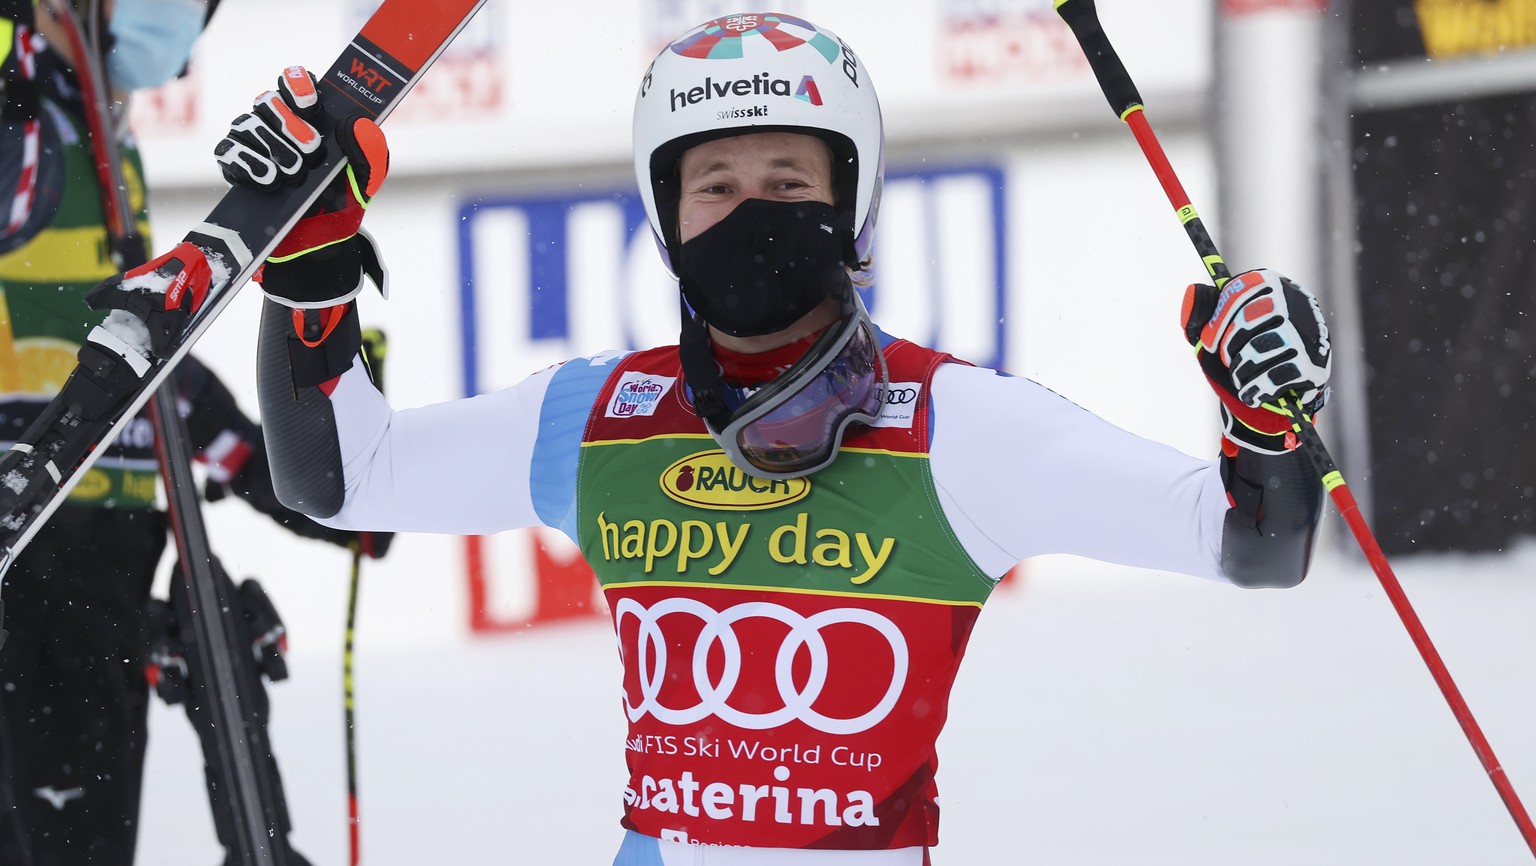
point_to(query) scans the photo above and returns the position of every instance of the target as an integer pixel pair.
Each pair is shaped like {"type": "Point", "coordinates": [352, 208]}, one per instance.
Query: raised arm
{"type": "Point", "coordinates": [338, 451]}
{"type": "Point", "coordinates": [1024, 471]}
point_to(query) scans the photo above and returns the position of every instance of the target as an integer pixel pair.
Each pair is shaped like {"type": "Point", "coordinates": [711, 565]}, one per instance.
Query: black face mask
{"type": "Point", "coordinates": [764, 266]}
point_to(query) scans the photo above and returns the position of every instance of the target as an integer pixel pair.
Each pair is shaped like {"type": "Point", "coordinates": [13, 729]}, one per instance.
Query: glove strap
{"type": "Point", "coordinates": [315, 363]}
{"type": "Point", "coordinates": [328, 276]}
{"type": "Point", "coordinates": [315, 233]}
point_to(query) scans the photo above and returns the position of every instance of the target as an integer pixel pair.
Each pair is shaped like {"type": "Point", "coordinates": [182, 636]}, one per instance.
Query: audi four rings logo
{"type": "Point", "coordinates": [899, 396]}
{"type": "Point", "coordinates": [650, 662]}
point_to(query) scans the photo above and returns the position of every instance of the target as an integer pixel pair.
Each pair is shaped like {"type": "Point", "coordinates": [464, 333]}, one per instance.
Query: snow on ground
{"type": "Point", "coordinates": [1103, 716]}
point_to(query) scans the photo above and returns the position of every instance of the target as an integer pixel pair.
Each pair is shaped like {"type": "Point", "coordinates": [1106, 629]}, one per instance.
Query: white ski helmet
{"type": "Point", "coordinates": [759, 72]}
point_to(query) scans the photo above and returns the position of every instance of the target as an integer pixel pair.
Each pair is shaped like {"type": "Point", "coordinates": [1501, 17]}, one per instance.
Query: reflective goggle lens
{"type": "Point", "coordinates": [801, 431]}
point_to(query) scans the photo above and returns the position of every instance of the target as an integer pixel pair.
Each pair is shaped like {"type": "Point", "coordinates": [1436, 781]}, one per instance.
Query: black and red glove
{"type": "Point", "coordinates": [1260, 338]}
{"type": "Point", "coordinates": [319, 266]}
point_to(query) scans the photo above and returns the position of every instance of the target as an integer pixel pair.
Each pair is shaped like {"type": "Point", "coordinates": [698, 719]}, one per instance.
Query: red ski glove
{"type": "Point", "coordinates": [1259, 338]}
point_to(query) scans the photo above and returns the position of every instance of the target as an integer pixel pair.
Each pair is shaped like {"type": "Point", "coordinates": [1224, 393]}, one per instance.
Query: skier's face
{"type": "Point", "coordinates": [776, 166]}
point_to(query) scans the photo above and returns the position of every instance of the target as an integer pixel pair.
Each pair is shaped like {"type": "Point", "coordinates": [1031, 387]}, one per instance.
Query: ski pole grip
{"type": "Point", "coordinates": [1116, 83]}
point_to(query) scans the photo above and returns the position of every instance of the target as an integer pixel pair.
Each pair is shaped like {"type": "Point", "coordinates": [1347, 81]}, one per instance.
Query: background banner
{"type": "Point", "coordinates": [1446, 269]}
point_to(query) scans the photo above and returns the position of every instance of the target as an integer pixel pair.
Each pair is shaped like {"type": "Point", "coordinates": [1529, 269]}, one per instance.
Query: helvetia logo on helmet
{"type": "Point", "coordinates": [807, 92]}
{"type": "Point", "coordinates": [758, 85]}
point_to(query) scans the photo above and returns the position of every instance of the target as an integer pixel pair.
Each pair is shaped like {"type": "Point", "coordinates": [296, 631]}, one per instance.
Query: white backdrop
{"type": "Point", "coordinates": [533, 85]}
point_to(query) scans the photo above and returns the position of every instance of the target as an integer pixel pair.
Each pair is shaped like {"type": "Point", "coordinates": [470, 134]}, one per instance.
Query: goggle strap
{"type": "Point", "coordinates": [701, 374]}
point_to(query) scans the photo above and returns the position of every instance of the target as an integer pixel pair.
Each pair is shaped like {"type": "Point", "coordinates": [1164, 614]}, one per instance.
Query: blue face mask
{"type": "Point", "coordinates": [152, 40]}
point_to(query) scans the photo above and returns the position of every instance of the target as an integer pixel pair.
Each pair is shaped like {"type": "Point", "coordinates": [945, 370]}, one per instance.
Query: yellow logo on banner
{"type": "Point", "coordinates": [1453, 28]}
{"type": "Point", "coordinates": [711, 480]}
{"type": "Point", "coordinates": [93, 485]}
{"type": "Point", "coordinates": [44, 363]}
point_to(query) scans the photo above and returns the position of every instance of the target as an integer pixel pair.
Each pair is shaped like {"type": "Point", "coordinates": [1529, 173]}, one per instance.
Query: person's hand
{"type": "Point", "coordinates": [321, 262]}
{"type": "Point", "coordinates": [274, 143]}
{"type": "Point", "coordinates": [161, 294]}
{"type": "Point", "coordinates": [1260, 338]}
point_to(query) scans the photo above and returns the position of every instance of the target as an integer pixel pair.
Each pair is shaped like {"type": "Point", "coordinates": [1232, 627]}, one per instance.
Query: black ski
{"type": "Point", "coordinates": [116, 372]}
{"type": "Point", "coordinates": [226, 701]}
{"type": "Point", "coordinates": [224, 683]}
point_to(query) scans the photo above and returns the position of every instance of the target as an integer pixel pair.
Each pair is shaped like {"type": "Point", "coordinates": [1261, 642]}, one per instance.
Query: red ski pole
{"type": "Point", "coordinates": [1126, 102]}
{"type": "Point", "coordinates": [354, 819]}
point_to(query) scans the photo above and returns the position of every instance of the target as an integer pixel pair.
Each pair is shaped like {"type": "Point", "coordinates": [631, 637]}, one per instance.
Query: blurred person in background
{"type": "Point", "coordinates": [73, 689]}
{"type": "Point", "coordinates": [795, 517]}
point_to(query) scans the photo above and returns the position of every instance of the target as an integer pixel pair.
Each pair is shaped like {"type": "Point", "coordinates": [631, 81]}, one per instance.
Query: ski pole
{"type": "Point", "coordinates": [1126, 102]}
{"type": "Point", "coordinates": [354, 821]}
{"type": "Point", "coordinates": [375, 347]}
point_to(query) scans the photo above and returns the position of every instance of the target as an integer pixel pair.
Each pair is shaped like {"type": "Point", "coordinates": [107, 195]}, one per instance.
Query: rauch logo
{"type": "Point", "coordinates": [710, 480]}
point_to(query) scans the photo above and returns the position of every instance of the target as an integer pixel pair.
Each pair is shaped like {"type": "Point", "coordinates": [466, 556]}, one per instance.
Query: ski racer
{"type": "Point", "coordinates": [73, 692]}
{"type": "Point", "coordinates": [795, 518]}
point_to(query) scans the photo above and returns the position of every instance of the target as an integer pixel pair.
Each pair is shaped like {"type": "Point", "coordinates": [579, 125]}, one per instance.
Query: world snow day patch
{"type": "Point", "coordinates": [638, 394]}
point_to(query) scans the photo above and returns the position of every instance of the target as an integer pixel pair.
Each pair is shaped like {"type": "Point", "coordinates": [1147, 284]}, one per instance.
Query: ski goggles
{"type": "Point", "coordinates": [793, 425]}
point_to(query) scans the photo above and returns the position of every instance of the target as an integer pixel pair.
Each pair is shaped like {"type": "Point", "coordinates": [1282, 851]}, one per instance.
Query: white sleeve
{"type": "Point", "coordinates": [460, 467]}
{"type": "Point", "coordinates": [1022, 471]}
